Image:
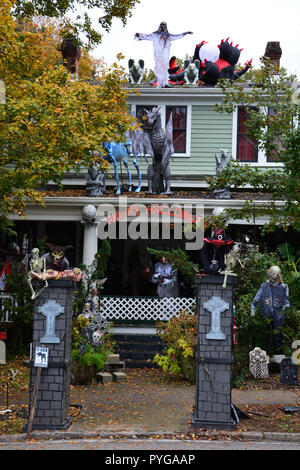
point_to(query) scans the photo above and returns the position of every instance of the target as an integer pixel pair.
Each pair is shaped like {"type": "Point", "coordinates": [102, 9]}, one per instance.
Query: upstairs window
{"type": "Point", "coordinates": [179, 126]}
{"type": "Point", "coordinates": [247, 150]}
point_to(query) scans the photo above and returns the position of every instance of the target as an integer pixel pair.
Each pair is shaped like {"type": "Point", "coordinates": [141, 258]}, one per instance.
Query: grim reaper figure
{"type": "Point", "coordinates": [161, 46]}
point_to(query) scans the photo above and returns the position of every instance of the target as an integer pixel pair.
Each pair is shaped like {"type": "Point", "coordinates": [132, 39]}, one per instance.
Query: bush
{"type": "Point", "coordinates": [252, 330]}
{"type": "Point", "coordinates": [180, 336]}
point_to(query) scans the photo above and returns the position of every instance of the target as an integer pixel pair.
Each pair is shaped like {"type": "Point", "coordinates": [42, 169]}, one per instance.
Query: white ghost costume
{"type": "Point", "coordinates": [161, 48]}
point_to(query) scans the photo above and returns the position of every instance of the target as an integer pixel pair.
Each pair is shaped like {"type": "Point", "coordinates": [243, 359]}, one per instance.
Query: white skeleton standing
{"type": "Point", "coordinates": [36, 265]}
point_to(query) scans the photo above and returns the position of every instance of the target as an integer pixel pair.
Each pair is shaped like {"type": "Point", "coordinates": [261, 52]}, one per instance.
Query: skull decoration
{"type": "Point", "coordinates": [96, 337]}
{"type": "Point", "coordinates": [89, 214]}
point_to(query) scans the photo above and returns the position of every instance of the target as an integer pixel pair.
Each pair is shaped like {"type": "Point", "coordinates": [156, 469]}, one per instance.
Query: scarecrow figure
{"type": "Point", "coordinates": [273, 297]}
{"type": "Point", "coordinates": [161, 45]}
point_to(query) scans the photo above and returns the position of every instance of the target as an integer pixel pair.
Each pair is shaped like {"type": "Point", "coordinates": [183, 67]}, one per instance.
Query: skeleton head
{"type": "Point", "coordinates": [35, 253]}
{"type": "Point", "coordinates": [274, 275]}
{"type": "Point", "coordinates": [97, 336]}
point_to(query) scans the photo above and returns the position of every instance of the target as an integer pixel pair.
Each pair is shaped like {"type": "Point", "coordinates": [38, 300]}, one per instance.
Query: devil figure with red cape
{"type": "Point", "coordinates": [214, 250]}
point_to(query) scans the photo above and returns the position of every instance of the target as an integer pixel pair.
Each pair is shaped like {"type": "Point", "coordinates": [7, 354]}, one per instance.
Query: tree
{"type": "Point", "coordinates": [51, 124]}
{"type": "Point", "coordinates": [273, 115]}
{"type": "Point", "coordinates": [109, 9]}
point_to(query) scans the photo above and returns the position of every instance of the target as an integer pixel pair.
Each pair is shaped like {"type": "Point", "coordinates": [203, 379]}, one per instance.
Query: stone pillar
{"type": "Point", "coordinates": [52, 407]}
{"type": "Point", "coordinates": [90, 240]}
{"type": "Point", "coordinates": [214, 354]}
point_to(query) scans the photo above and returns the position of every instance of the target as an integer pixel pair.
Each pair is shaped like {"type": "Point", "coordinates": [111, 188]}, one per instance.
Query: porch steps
{"type": "Point", "coordinates": [137, 350]}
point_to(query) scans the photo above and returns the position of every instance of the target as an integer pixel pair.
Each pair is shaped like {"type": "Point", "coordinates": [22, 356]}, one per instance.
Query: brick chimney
{"type": "Point", "coordinates": [273, 51]}
{"type": "Point", "coordinates": [71, 55]}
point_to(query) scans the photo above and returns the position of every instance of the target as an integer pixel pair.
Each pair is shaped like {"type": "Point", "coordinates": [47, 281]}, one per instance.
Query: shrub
{"type": "Point", "coordinates": [180, 336]}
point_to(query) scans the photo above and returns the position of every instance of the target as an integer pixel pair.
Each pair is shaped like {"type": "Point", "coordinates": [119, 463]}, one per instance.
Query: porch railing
{"type": "Point", "coordinates": [145, 308]}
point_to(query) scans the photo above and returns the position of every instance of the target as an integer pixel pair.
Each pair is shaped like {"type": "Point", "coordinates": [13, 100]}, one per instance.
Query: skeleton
{"type": "Point", "coordinates": [258, 363]}
{"type": "Point", "coordinates": [158, 172]}
{"type": "Point", "coordinates": [238, 254]}
{"type": "Point", "coordinates": [37, 265]}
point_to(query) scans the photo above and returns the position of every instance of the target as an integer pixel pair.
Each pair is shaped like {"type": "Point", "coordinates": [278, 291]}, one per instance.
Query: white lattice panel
{"type": "Point", "coordinates": [145, 308]}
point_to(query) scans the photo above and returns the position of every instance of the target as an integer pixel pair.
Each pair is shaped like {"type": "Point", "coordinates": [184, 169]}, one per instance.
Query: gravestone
{"type": "Point", "coordinates": [289, 374]}
{"type": "Point", "coordinates": [52, 328]}
{"type": "Point", "coordinates": [214, 357]}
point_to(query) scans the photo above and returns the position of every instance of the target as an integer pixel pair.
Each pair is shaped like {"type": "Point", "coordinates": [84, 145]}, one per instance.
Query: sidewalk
{"type": "Point", "coordinates": [146, 404]}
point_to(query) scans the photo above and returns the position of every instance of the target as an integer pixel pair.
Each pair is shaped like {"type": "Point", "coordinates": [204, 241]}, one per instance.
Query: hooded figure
{"type": "Point", "coordinates": [161, 46]}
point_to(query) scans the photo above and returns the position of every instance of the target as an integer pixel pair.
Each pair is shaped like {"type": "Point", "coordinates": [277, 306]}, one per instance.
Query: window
{"type": "Point", "coordinates": [179, 126]}
{"type": "Point", "coordinates": [247, 150]}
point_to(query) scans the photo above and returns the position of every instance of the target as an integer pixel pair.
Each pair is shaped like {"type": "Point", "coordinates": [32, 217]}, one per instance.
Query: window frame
{"type": "Point", "coordinates": [262, 159]}
{"type": "Point", "coordinates": [163, 111]}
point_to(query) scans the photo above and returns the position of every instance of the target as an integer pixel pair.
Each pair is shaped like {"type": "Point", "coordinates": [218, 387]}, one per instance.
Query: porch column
{"type": "Point", "coordinates": [90, 237]}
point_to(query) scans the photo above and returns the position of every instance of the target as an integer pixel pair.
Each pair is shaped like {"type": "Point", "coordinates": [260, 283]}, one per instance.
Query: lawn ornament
{"type": "Point", "coordinates": [158, 172]}
{"type": "Point", "coordinates": [136, 72]}
{"type": "Point", "coordinates": [273, 298]}
{"type": "Point", "coordinates": [161, 46]}
{"type": "Point", "coordinates": [37, 265]}
{"type": "Point", "coordinates": [258, 363]}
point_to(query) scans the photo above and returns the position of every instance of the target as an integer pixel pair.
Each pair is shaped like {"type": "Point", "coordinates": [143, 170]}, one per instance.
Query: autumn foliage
{"type": "Point", "coordinates": [51, 123]}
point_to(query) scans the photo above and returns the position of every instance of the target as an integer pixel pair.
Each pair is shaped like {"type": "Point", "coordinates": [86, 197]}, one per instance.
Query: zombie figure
{"type": "Point", "coordinates": [165, 277]}
{"type": "Point", "coordinates": [273, 297]}
{"type": "Point", "coordinates": [161, 45]}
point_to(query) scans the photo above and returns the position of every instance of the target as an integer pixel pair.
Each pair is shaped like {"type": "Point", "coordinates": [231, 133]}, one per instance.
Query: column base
{"type": "Point", "coordinates": [50, 427]}
{"type": "Point", "coordinates": [221, 425]}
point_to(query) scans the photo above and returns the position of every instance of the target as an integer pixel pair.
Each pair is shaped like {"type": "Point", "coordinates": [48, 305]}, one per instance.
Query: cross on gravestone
{"type": "Point", "coordinates": [51, 309]}
{"type": "Point", "coordinates": [216, 305]}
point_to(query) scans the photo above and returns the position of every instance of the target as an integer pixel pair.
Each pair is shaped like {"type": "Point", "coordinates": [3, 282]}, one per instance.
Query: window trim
{"type": "Point", "coordinates": [162, 107]}
{"type": "Point", "coordinates": [262, 160]}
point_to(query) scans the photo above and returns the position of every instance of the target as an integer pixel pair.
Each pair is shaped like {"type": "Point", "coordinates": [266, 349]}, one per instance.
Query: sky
{"type": "Point", "coordinates": [250, 24]}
